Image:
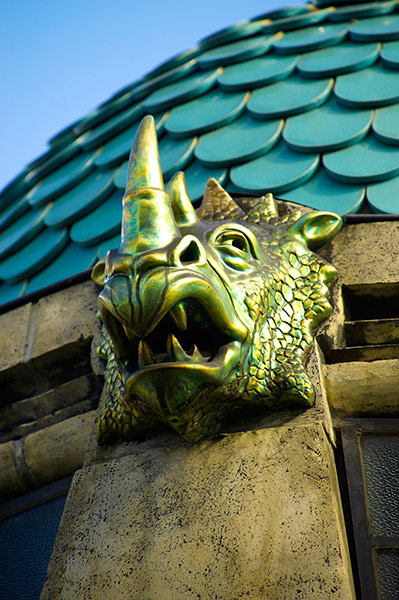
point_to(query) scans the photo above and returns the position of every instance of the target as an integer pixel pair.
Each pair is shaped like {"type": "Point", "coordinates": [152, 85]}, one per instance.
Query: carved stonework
{"type": "Point", "coordinates": [206, 312]}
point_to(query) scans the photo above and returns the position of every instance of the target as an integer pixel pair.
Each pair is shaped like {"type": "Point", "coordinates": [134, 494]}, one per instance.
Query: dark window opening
{"type": "Point", "coordinates": [371, 453]}
{"type": "Point", "coordinates": [28, 527]}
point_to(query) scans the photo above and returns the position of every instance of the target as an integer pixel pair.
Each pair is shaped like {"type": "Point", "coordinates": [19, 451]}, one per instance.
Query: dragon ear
{"type": "Point", "coordinates": [316, 228]}
{"type": "Point", "coordinates": [218, 205]}
{"type": "Point", "coordinates": [98, 272]}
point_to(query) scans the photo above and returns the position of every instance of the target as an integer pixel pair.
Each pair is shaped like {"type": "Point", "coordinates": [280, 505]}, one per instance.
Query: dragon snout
{"type": "Point", "coordinates": [188, 251]}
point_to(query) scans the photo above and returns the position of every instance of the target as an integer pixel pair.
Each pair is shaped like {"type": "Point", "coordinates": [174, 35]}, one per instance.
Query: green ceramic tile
{"type": "Point", "coordinates": [378, 29]}
{"type": "Point", "coordinates": [180, 91]}
{"type": "Point", "coordinates": [235, 52]}
{"type": "Point", "coordinates": [107, 111]}
{"type": "Point", "coordinates": [289, 97]}
{"type": "Point", "coordinates": [278, 171]}
{"type": "Point", "coordinates": [215, 109]}
{"type": "Point", "coordinates": [20, 232]}
{"type": "Point", "coordinates": [95, 137]}
{"type": "Point", "coordinates": [368, 161]}
{"type": "Point", "coordinates": [360, 11]}
{"type": "Point", "coordinates": [109, 244]}
{"type": "Point", "coordinates": [386, 124]}
{"type": "Point", "coordinates": [329, 127]}
{"type": "Point", "coordinates": [80, 200]}
{"type": "Point", "coordinates": [323, 193]}
{"type": "Point", "coordinates": [280, 13]}
{"type": "Point", "coordinates": [51, 161]}
{"type": "Point", "coordinates": [17, 208]}
{"type": "Point", "coordinates": [63, 179]}
{"type": "Point", "coordinates": [310, 38]}
{"type": "Point", "coordinates": [172, 63]}
{"type": "Point", "coordinates": [384, 197]}
{"type": "Point", "coordinates": [9, 292]}
{"type": "Point", "coordinates": [197, 177]}
{"type": "Point", "coordinates": [175, 154]}
{"type": "Point", "coordinates": [165, 78]}
{"type": "Point", "coordinates": [238, 31]}
{"type": "Point", "coordinates": [118, 148]}
{"type": "Point", "coordinates": [344, 58]}
{"type": "Point", "coordinates": [257, 72]}
{"type": "Point", "coordinates": [13, 190]}
{"type": "Point", "coordinates": [390, 55]}
{"type": "Point", "coordinates": [34, 256]}
{"type": "Point", "coordinates": [370, 88]}
{"type": "Point", "coordinates": [72, 260]}
{"type": "Point", "coordinates": [296, 21]}
{"type": "Point", "coordinates": [65, 136]}
{"type": "Point", "coordinates": [121, 176]}
{"type": "Point", "coordinates": [242, 140]}
{"type": "Point", "coordinates": [100, 224]}
{"type": "Point", "coordinates": [323, 3]}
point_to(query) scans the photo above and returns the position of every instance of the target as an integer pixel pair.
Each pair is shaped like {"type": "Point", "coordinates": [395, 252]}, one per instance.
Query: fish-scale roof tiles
{"type": "Point", "coordinates": [302, 102]}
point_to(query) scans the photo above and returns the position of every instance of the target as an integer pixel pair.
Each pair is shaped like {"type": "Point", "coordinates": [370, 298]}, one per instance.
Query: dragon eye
{"type": "Point", "coordinates": [235, 249]}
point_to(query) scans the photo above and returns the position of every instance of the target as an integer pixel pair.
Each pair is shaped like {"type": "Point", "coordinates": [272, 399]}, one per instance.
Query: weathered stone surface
{"type": "Point", "coordinates": [14, 327]}
{"type": "Point", "coordinates": [362, 388]}
{"type": "Point", "coordinates": [64, 318]}
{"type": "Point", "coordinates": [249, 515]}
{"type": "Point", "coordinates": [58, 451]}
{"type": "Point", "coordinates": [10, 482]}
{"type": "Point", "coordinates": [366, 253]}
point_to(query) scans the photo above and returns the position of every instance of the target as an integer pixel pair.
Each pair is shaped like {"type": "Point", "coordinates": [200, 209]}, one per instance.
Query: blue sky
{"type": "Point", "coordinates": [61, 58]}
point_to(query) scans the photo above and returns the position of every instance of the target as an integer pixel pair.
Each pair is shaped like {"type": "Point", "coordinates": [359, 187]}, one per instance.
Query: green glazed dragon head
{"type": "Point", "coordinates": [206, 311]}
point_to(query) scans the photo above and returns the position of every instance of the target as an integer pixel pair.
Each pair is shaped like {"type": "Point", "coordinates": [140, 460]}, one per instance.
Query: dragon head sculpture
{"type": "Point", "coordinates": [205, 312]}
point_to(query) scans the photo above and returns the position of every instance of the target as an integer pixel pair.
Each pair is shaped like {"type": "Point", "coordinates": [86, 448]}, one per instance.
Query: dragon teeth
{"type": "Point", "coordinates": [129, 334]}
{"type": "Point", "coordinates": [146, 357]}
{"type": "Point", "coordinates": [178, 314]}
{"type": "Point", "coordinates": [174, 350]}
{"type": "Point", "coordinates": [195, 353]}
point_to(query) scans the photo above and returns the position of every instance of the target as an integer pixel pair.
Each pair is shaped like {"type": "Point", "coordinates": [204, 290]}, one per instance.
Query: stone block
{"type": "Point", "coordinates": [363, 388]}
{"type": "Point", "coordinates": [366, 253]}
{"type": "Point", "coordinates": [248, 515]}
{"type": "Point", "coordinates": [59, 450]}
{"type": "Point", "coordinates": [14, 327]}
{"type": "Point", "coordinates": [64, 318]}
{"type": "Point", "coordinates": [10, 483]}
{"type": "Point", "coordinates": [50, 407]}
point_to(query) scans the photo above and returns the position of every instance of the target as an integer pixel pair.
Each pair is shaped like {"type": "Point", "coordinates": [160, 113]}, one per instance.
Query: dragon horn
{"type": "Point", "coordinates": [147, 220]}
{"type": "Point", "coordinates": [183, 210]}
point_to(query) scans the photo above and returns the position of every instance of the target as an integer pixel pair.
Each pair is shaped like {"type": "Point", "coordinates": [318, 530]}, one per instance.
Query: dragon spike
{"type": "Point", "coordinates": [181, 204]}
{"type": "Point", "coordinates": [266, 208]}
{"type": "Point", "coordinates": [147, 221]}
{"type": "Point", "coordinates": [217, 204]}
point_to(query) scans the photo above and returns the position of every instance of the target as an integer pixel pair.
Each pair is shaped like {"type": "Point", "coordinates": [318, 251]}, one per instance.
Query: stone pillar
{"type": "Point", "coordinates": [252, 514]}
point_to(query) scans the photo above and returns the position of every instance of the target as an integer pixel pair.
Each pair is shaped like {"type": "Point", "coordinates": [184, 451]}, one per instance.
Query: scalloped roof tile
{"type": "Point", "coordinates": [302, 101]}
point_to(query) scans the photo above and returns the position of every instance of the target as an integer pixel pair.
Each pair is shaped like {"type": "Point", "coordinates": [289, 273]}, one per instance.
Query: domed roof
{"type": "Point", "coordinates": [302, 102]}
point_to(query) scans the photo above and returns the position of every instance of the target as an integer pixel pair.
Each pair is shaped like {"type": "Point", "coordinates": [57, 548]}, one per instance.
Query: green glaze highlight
{"type": "Point", "coordinates": [206, 312]}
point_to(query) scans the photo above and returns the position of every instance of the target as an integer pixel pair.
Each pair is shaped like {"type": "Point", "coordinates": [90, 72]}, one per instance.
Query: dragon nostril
{"type": "Point", "coordinates": [188, 251]}
{"type": "Point", "coordinates": [190, 254]}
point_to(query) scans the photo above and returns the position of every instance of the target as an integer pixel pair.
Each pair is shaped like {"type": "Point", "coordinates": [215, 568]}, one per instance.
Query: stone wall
{"type": "Point", "coordinates": [50, 384]}
{"type": "Point", "coordinates": [254, 513]}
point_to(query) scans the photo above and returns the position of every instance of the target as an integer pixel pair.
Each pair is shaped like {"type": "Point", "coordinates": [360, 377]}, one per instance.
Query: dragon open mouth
{"type": "Point", "coordinates": [186, 334]}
